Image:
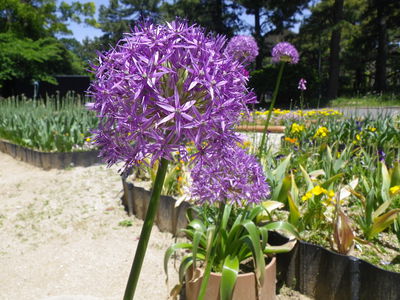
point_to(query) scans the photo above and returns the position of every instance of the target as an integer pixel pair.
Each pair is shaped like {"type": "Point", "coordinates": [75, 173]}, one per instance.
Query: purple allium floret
{"type": "Point", "coordinates": [230, 176]}
{"type": "Point", "coordinates": [285, 52]}
{"type": "Point", "coordinates": [302, 84]}
{"type": "Point", "coordinates": [243, 48]}
{"type": "Point", "coordinates": [163, 86]}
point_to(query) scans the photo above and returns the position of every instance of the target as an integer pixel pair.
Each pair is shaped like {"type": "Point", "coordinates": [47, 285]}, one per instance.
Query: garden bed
{"type": "Point", "coordinates": [50, 160]}
{"type": "Point", "coordinates": [309, 269]}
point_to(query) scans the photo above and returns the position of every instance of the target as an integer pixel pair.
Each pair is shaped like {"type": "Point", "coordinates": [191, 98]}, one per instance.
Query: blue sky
{"type": "Point", "coordinates": [80, 31]}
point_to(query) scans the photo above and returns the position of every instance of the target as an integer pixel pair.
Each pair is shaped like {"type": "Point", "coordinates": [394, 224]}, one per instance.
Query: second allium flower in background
{"type": "Point", "coordinates": [282, 53]}
{"type": "Point", "coordinates": [243, 48]}
{"type": "Point", "coordinates": [285, 52]}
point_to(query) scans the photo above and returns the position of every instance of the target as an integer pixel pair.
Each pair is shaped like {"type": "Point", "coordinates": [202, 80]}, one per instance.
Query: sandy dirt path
{"type": "Point", "coordinates": [59, 235]}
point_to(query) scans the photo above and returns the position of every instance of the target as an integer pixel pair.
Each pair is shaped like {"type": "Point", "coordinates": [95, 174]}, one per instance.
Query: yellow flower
{"type": "Point", "coordinates": [331, 194]}
{"type": "Point", "coordinates": [88, 139]}
{"type": "Point", "coordinates": [317, 190]}
{"type": "Point", "coordinates": [372, 129]}
{"type": "Point", "coordinates": [358, 137]}
{"type": "Point", "coordinates": [307, 196]}
{"type": "Point", "coordinates": [394, 190]}
{"type": "Point", "coordinates": [246, 144]}
{"type": "Point", "coordinates": [321, 132]}
{"type": "Point", "coordinates": [296, 128]}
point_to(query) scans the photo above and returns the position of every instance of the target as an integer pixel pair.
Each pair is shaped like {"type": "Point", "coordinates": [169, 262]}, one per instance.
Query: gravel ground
{"type": "Point", "coordinates": [59, 235]}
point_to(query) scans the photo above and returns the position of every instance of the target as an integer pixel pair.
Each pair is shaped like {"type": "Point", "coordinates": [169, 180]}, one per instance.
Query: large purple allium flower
{"type": "Point", "coordinates": [285, 52]}
{"type": "Point", "coordinates": [243, 48]}
{"type": "Point", "coordinates": [231, 176]}
{"type": "Point", "coordinates": [163, 86]}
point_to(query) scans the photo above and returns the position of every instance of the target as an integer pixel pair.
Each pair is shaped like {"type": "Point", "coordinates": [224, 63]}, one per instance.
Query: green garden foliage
{"type": "Point", "coordinates": [48, 125]}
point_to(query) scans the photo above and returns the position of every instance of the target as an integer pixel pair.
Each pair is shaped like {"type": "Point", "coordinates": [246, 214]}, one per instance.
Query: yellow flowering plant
{"type": "Point", "coordinates": [322, 132]}
{"type": "Point", "coordinates": [376, 196]}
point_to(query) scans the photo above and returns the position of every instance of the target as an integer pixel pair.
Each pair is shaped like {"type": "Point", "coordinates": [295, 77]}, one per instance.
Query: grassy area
{"type": "Point", "coordinates": [368, 100]}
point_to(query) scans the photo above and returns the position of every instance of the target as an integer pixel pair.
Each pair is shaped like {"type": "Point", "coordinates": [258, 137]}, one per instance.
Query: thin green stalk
{"type": "Point", "coordinates": [146, 230]}
{"type": "Point", "coordinates": [210, 260]}
{"type": "Point", "coordinates": [206, 276]}
{"type": "Point", "coordinates": [301, 100]}
{"type": "Point", "coordinates": [274, 95]}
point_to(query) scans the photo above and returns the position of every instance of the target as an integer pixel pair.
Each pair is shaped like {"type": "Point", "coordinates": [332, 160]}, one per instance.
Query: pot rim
{"type": "Point", "coordinates": [267, 266]}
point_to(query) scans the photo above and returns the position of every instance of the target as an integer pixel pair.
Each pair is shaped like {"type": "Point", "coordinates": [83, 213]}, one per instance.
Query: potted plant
{"type": "Point", "coordinates": [227, 255]}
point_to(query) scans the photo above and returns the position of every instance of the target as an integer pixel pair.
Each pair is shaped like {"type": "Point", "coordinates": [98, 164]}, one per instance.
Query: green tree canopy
{"type": "Point", "coordinates": [29, 49]}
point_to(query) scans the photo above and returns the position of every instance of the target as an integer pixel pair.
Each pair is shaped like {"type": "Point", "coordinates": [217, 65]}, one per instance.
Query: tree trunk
{"type": "Point", "coordinates": [257, 31]}
{"type": "Point", "coordinates": [382, 53]}
{"type": "Point", "coordinates": [334, 62]}
{"type": "Point", "coordinates": [217, 16]}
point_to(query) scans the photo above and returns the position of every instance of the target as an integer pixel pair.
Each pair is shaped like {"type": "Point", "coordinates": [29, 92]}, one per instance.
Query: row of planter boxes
{"type": "Point", "coordinates": [50, 160]}
{"type": "Point", "coordinates": [62, 160]}
{"type": "Point", "coordinates": [310, 269]}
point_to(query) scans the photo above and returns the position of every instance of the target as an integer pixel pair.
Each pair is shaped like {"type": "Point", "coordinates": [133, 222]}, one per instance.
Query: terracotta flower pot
{"type": "Point", "coordinates": [245, 288]}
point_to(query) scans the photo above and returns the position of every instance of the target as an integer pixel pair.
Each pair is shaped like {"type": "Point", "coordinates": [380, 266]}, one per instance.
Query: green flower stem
{"type": "Point", "coordinates": [301, 100]}
{"type": "Point", "coordinates": [210, 260]}
{"type": "Point", "coordinates": [206, 276]}
{"type": "Point", "coordinates": [146, 230]}
{"type": "Point", "coordinates": [274, 95]}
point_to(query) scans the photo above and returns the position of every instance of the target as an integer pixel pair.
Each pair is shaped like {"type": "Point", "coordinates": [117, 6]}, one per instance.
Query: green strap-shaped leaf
{"type": "Point", "coordinates": [258, 254]}
{"type": "Point", "coordinates": [395, 175]}
{"type": "Point", "coordinates": [171, 250]}
{"type": "Point", "coordinates": [280, 171]}
{"type": "Point", "coordinates": [196, 240]}
{"type": "Point", "coordinates": [281, 225]}
{"type": "Point", "coordinates": [330, 180]}
{"type": "Point", "coordinates": [307, 178]}
{"type": "Point", "coordinates": [210, 238]}
{"type": "Point", "coordinates": [230, 272]}
{"type": "Point", "coordinates": [187, 261]}
{"type": "Point", "coordinates": [280, 249]}
{"type": "Point", "coordinates": [283, 193]}
{"type": "Point", "coordinates": [225, 216]}
{"type": "Point", "coordinates": [383, 222]}
{"type": "Point", "coordinates": [256, 210]}
{"type": "Point", "coordinates": [385, 183]}
{"type": "Point", "coordinates": [197, 225]}
{"type": "Point", "coordinates": [381, 209]}
{"type": "Point", "coordinates": [294, 212]}
{"type": "Point", "coordinates": [264, 235]}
